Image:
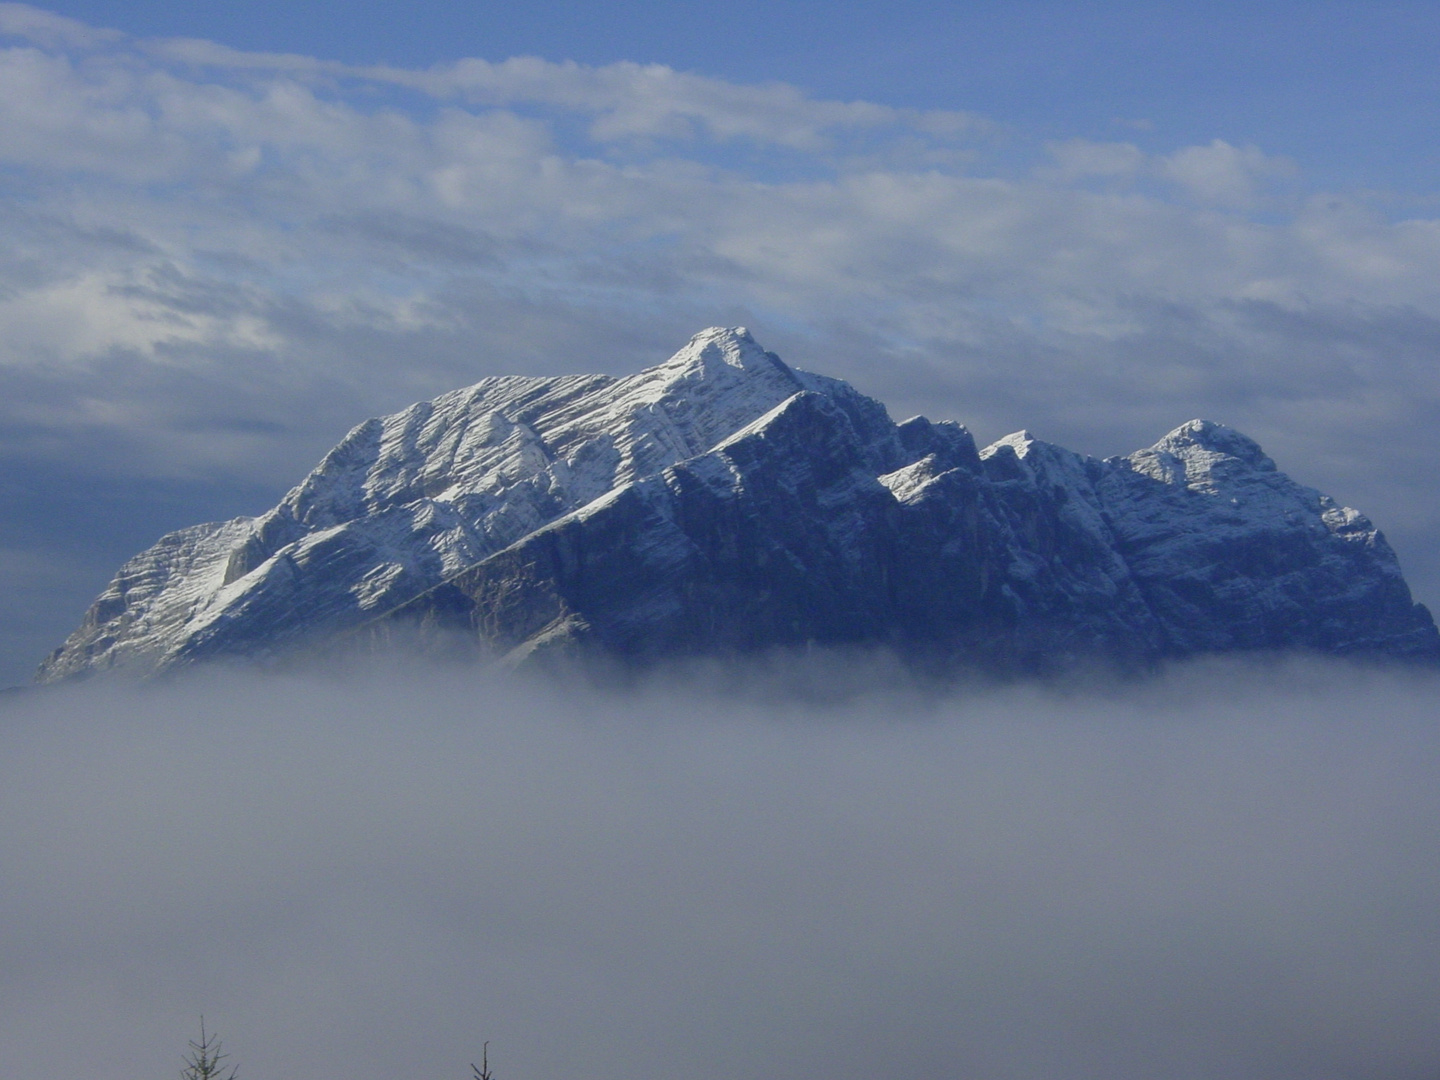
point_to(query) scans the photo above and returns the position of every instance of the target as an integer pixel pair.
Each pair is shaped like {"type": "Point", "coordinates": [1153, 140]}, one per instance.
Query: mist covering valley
{"type": "Point", "coordinates": [813, 867]}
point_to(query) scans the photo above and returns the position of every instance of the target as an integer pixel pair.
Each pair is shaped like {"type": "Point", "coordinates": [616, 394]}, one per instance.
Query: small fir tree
{"type": "Point", "coordinates": [203, 1061]}
{"type": "Point", "coordinates": [482, 1071]}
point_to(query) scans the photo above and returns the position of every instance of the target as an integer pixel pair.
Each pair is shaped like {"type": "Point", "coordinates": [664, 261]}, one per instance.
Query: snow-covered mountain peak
{"type": "Point", "coordinates": [406, 499]}
{"type": "Point", "coordinates": [716, 364]}
{"type": "Point", "coordinates": [1019, 442]}
{"type": "Point", "coordinates": [729, 345]}
{"type": "Point", "coordinates": [719, 382]}
{"type": "Point", "coordinates": [1202, 455]}
{"type": "Point", "coordinates": [1207, 437]}
{"type": "Point", "coordinates": [573, 437]}
{"type": "Point", "coordinates": [1022, 455]}
{"type": "Point", "coordinates": [723, 500]}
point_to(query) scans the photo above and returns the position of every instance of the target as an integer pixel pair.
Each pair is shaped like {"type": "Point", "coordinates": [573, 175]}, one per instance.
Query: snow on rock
{"type": "Point", "coordinates": [405, 500]}
{"type": "Point", "coordinates": [723, 501]}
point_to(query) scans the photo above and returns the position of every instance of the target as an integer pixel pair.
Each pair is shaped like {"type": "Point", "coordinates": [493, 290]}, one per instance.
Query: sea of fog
{"type": "Point", "coordinates": [778, 872]}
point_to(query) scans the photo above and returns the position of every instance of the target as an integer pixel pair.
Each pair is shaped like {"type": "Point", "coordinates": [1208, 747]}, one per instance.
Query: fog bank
{"type": "Point", "coordinates": [1228, 872]}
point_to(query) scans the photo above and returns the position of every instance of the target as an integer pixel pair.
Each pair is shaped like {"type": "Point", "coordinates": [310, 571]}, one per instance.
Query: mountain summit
{"type": "Point", "coordinates": [724, 502]}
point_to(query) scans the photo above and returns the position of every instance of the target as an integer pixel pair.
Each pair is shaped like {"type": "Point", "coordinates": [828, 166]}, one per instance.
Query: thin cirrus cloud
{"type": "Point", "coordinates": [217, 262]}
{"type": "Point", "coordinates": [626, 100]}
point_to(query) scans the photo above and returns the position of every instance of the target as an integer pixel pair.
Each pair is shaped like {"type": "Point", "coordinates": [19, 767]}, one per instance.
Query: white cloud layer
{"type": "Point", "coordinates": [216, 262]}
{"type": "Point", "coordinates": [1227, 874]}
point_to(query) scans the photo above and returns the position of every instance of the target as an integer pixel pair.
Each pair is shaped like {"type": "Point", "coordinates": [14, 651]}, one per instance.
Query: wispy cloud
{"type": "Point", "coordinates": [51, 30]}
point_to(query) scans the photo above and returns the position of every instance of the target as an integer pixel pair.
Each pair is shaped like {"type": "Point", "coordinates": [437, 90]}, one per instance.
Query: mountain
{"type": "Point", "coordinates": [724, 502]}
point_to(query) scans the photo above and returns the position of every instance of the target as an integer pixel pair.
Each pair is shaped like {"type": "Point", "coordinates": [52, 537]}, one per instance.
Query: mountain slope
{"type": "Point", "coordinates": [725, 502]}
{"type": "Point", "coordinates": [1022, 557]}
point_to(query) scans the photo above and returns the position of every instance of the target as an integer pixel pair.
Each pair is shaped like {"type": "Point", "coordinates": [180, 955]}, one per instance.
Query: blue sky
{"type": "Point", "coordinates": [235, 230]}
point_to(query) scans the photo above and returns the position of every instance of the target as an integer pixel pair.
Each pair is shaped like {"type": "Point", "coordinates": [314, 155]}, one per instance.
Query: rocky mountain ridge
{"type": "Point", "coordinates": [724, 502]}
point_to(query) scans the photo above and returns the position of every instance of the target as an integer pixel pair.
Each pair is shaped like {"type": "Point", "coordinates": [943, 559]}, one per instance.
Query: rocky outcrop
{"type": "Point", "coordinates": [723, 502]}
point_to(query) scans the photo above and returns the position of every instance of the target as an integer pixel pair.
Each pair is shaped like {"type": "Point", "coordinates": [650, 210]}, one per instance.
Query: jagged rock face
{"type": "Point", "coordinates": [723, 502]}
